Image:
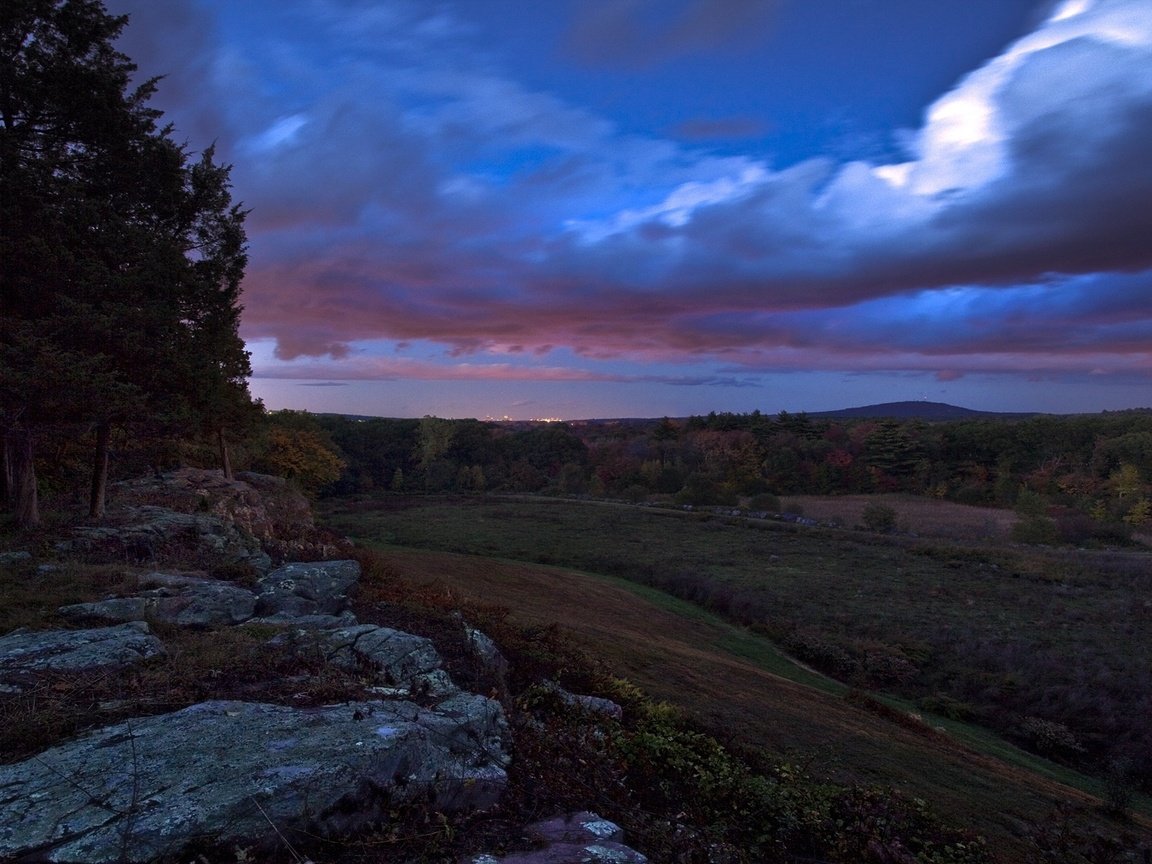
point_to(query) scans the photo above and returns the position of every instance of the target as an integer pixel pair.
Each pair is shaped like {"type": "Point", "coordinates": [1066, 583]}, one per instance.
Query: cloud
{"type": "Point", "coordinates": [366, 368]}
{"type": "Point", "coordinates": [406, 187]}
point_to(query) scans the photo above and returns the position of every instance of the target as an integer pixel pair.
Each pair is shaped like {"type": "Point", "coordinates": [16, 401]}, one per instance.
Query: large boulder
{"type": "Point", "coordinates": [247, 773]}
{"type": "Point", "coordinates": [25, 653]}
{"type": "Point", "coordinates": [263, 506]}
{"type": "Point", "coordinates": [268, 508]}
{"type": "Point", "coordinates": [316, 588]}
{"type": "Point", "coordinates": [187, 601]}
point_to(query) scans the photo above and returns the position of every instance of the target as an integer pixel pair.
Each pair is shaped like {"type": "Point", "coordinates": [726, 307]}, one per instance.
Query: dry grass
{"type": "Point", "coordinates": [927, 517]}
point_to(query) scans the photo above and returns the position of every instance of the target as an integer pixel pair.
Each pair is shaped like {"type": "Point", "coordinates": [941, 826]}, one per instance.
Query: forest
{"type": "Point", "coordinates": [1073, 479]}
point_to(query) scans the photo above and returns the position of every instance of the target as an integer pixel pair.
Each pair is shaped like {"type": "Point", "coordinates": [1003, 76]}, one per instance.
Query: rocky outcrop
{"type": "Point", "coordinates": [401, 663]}
{"type": "Point", "coordinates": [245, 772]}
{"type": "Point", "coordinates": [487, 654]}
{"type": "Point", "coordinates": [26, 653]}
{"type": "Point", "coordinates": [268, 508]}
{"type": "Point", "coordinates": [306, 596]}
{"type": "Point", "coordinates": [263, 506]}
{"type": "Point", "coordinates": [578, 838]}
{"type": "Point", "coordinates": [589, 704]}
{"type": "Point", "coordinates": [242, 773]}
{"type": "Point", "coordinates": [186, 601]}
{"type": "Point", "coordinates": [150, 535]}
{"type": "Point", "coordinates": [318, 588]}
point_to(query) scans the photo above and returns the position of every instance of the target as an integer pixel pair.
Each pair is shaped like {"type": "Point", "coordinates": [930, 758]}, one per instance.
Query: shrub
{"type": "Point", "coordinates": [1049, 738]}
{"type": "Point", "coordinates": [635, 493]}
{"type": "Point", "coordinates": [1140, 514]}
{"type": "Point", "coordinates": [764, 501]}
{"type": "Point", "coordinates": [879, 518]}
{"type": "Point", "coordinates": [946, 706]}
{"type": "Point", "coordinates": [1039, 530]}
{"type": "Point", "coordinates": [703, 491]}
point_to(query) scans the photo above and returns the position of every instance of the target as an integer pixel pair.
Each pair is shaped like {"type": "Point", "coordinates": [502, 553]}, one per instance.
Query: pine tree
{"type": "Point", "coordinates": [121, 255]}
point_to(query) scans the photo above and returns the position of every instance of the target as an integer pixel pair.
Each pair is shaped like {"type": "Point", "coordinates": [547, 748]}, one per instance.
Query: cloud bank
{"type": "Point", "coordinates": [406, 187]}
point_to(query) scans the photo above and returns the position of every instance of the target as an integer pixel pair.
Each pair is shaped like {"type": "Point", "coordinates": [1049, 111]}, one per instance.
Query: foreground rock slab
{"type": "Point", "coordinates": [182, 600]}
{"type": "Point", "coordinates": [241, 772]}
{"type": "Point", "coordinates": [24, 653]}
{"type": "Point", "coordinates": [317, 588]}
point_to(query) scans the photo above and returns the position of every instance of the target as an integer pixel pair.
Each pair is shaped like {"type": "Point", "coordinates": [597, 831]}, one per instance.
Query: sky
{"type": "Point", "coordinates": [639, 208]}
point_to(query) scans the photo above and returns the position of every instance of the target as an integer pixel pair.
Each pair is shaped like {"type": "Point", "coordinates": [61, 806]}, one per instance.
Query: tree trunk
{"type": "Point", "coordinates": [225, 456]}
{"type": "Point", "coordinates": [23, 469]}
{"type": "Point", "coordinates": [6, 485]}
{"type": "Point", "coordinates": [100, 471]}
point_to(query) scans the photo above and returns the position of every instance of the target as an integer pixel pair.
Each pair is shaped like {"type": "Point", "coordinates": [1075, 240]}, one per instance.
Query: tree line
{"type": "Point", "coordinates": [1081, 473]}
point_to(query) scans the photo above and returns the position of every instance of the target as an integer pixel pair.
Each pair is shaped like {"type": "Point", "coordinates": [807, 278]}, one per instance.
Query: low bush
{"type": "Point", "coordinates": [879, 518]}
{"type": "Point", "coordinates": [764, 502]}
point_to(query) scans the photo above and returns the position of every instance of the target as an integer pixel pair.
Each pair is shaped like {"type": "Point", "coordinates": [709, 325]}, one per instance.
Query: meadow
{"type": "Point", "coordinates": [1046, 648]}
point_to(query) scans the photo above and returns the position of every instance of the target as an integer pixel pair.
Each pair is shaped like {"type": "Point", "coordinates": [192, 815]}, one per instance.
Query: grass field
{"type": "Point", "coordinates": [928, 517]}
{"type": "Point", "coordinates": [1021, 624]}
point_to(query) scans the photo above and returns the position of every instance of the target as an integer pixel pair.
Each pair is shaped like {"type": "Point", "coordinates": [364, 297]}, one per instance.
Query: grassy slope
{"type": "Point", "coordinates": [732, 680]}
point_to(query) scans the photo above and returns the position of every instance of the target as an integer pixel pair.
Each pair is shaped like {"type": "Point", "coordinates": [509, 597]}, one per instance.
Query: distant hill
{"type": "Point", "coordinates": [919, 410]}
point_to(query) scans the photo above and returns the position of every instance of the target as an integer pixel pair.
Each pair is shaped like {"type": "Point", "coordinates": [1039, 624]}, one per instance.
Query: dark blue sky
{"type": "Point", "coordinates": [646, 207]}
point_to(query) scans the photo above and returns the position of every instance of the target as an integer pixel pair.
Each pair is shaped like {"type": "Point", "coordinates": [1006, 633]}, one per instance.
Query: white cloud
{"type": "Point", "coordinates": [283, 132]}
{"type": "Point", "coordinates": [964, 142]}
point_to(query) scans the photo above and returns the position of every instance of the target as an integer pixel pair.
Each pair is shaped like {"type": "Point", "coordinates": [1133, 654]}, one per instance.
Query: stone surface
{"type": "Point", "coordinates": [486, 653]}
{"type": "Point", "coordinates": [261, 505]}
{"type": "Point", "coordinates": [268, 508]}
{"type": "Point", "coordinates": [157, 535]}
{"type": "Point", "coordinates": [15, 557]}
{"type": "Point", "coordinates": [24, 653]}
{"type": "Point", "coordinates": [231, 771]}
{"type": "Point", "coordinates": [183, 600]}
{"type": "Point", "coordinates": [307, 622]}
{"type": "Point", "coordinates": [591, 704]}
{"type": "Point", "coordinates": [578, 838]}
{"type": "Point", "coordinates": [316, 588]}
{"type": "Point", "coordinates": [405, 664]}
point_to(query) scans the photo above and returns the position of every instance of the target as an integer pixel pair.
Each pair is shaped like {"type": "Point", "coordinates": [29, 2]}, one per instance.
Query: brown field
{"type": "Point", "coordinates": [712, 670]}
{"type": "Point", "coordinates": [928, 517]}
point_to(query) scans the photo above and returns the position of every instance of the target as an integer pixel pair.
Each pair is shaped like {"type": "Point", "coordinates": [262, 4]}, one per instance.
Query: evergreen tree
{"type": "Point", "coordinates": [121, 255]}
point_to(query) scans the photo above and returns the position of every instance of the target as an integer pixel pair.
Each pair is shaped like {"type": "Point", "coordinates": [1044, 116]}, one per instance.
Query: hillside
{"type": "Point", "coordinates": [727, 677]}
{"type": "Point", "coordinates": [242, 686]}
{"type": "Point", "coordinates": [915, 410]}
